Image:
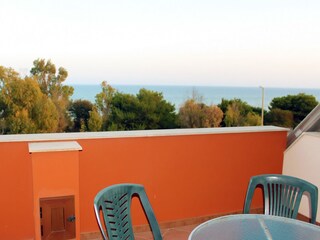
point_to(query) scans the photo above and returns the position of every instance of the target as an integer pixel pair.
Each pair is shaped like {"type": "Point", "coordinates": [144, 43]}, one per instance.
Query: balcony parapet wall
{"type": "Point", "coordinates": [187, 173]}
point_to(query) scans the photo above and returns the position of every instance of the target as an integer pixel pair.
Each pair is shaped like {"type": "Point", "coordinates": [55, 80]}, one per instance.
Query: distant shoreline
{"type": "Point", "coordinates": [177, 94]}
{"type": "Point", "coordinates": [187, 85]}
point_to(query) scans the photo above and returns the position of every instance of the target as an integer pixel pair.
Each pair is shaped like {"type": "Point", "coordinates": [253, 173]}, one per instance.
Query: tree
{"type": "Point", "coordinates": [213, 116]}
{"type": "Point", "coordinates": [46, 115]}
{"type": "Point", "coordinates": [233, 117]}
{"type": "Point", "coordinates": [49, 81]}
{"type": "Point", "coordinates": [103, 102]}
{"type": "Point", "coordinates": [194, 114]}
{"type": "Point", "coordinates": [155, 112]}
{"type": "Point", "coordinates": [25, 109]}
{"type": "Point", "coordinates": [146, 110]}
{"type": "Point", "coordinates": [124, 113]}
{"type": "Point", "coordinates": [235, 111]}
{"type": "Point", "coordinates": [239, 113]}
{"type": "Point", "coordinates": [95, 120]}
{"type": "Point", "coordinates": [279, 117]}
{"type": "Point", "coordinates": [80, 113]}
{"type": "Point", "coordinates": [300, 105]}
{"type": "Point", "coordinates": [191, 114]}
{"type": "Point", "coordinates": [51, 84]}
{"type": "Point", "coordinates": [252, 119]}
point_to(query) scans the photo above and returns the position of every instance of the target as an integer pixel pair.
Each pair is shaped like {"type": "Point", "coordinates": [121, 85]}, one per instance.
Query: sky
{"type": "Point", "coordinates": [270, 43]}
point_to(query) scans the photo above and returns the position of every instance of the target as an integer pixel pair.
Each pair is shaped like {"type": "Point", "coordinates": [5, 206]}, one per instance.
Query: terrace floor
{"type": "Point", "coordinates": [175, 233]}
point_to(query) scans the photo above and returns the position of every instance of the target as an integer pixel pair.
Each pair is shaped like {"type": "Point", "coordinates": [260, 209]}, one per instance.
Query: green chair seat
{"type": "Point", "coordinates": [282, 195]}
{"type": "Point", "coordinates": [115, 203]}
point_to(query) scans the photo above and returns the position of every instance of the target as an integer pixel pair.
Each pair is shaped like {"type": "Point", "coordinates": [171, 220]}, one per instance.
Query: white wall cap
{"type": "Point", "coordinates": [54, 146]}
{"type": "Point", "coordinates": [137, 133]}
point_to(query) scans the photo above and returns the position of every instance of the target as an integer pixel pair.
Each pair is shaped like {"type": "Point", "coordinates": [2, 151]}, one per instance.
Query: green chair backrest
{"type": "Point", "coordinates": [115, 203]}
{"type": "Point", "coordinates": [282, 195]}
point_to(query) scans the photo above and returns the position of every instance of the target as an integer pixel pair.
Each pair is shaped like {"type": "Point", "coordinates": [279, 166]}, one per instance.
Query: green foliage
{"type": "Point", "coordinates": [124, 113]}
{"type": "Point", "coordinates": [25, 109]}
{"type": "Point", "coordinates": [38, 103]}
{"type": "Point", "coordinates": [300, 105]}
{"type": "Point", "coordinates": [80, 113]}
{"type": "Point", "coordinates": [146, 110]}
{"type": "Point", "coordinates": [279, 117]}
{"type": "Point", "coordinates": [194, 114]}
{"type": "Point", "coordinates": [252, 119]}
{"type": "Point", "coordinates": [155, 112]}
{"type": "Point", "coordinates": [243, 106]}
{"type": "Point", "coordinates": [41, 103]}
{"type": "Point", "coordinates": [239, 113]}
{"type": "Point", "coordinates": [233, 117]}
{"type": "Point", "coordinates": [95, 120]}
{"type": "Point", "coordinates": [45, 73]}
{"type": "Point", "coordinates": [103, 102]}
{"type": "Point", "coordinates": [46, 115]}
{"type": "Point", "coordinates": [258, 110]}
{"type": "Point", "coordinates": [51, 84]}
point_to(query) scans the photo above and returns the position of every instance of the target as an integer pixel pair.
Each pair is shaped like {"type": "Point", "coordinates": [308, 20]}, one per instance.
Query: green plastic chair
{"type": "Point", "coordinates": [282, 195]}
{"type": "Point", "coordinates": [115, 203]}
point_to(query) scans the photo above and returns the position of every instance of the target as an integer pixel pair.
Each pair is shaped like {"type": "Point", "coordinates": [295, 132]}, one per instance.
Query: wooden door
{"type": "Point", "coordinates": [57, 218]}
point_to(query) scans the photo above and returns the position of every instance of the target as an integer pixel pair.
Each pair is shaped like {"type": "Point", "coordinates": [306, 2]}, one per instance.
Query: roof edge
{"type": "Point", "coordinates": [137, 133]}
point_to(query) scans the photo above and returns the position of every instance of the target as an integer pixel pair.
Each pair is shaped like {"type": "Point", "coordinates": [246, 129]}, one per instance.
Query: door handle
{"type": "Point", "coordinates": [71, 218]}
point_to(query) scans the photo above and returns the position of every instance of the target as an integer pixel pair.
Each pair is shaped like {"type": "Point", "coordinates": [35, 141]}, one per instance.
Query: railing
{"type": "Point", "coordinates": [311, 123]}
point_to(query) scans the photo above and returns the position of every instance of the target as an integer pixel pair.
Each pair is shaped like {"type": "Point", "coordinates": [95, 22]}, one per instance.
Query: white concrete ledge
{"type": "Point", "coordinates": [140, 133]}
{"type": "Point", "coordinates": [54, 147]}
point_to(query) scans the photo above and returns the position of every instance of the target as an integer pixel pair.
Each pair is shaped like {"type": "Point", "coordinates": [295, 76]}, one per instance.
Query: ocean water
{"type": "Point", "coordinates": [210, 94]}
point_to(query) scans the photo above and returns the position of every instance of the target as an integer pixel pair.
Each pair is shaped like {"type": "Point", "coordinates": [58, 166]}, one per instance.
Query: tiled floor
{"type": "Point", "coordinates": [177, 233]}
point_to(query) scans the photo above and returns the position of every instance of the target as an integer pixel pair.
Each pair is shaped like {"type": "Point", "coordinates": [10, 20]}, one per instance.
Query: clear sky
{"type": "Point", "coordinates": [273, 43]}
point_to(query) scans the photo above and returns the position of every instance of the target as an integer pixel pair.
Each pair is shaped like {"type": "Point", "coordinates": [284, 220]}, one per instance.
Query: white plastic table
{"type": "Point", "coordinates": [255, 227]}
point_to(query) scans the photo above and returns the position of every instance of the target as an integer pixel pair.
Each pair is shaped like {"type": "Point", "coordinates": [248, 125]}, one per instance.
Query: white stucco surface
{"type": "Point", "coordinates": [302, 160]}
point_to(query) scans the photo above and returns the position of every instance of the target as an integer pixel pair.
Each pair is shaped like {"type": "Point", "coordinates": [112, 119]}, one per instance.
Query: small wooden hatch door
{"type": "Point", "coordinates": [57, 218]}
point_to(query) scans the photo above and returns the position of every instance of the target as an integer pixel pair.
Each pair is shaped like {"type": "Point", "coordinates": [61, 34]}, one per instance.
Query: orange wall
{"type": "Point", "coordinates": [184, 176]}
{"type": "Point", "coordinates": [55, 174]}
{"type": "Point", "coordinates": [16, 201]}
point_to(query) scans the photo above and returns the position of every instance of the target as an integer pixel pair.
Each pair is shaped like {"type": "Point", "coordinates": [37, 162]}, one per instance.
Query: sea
{"type": "Point", "coordinates": [177, 95]}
